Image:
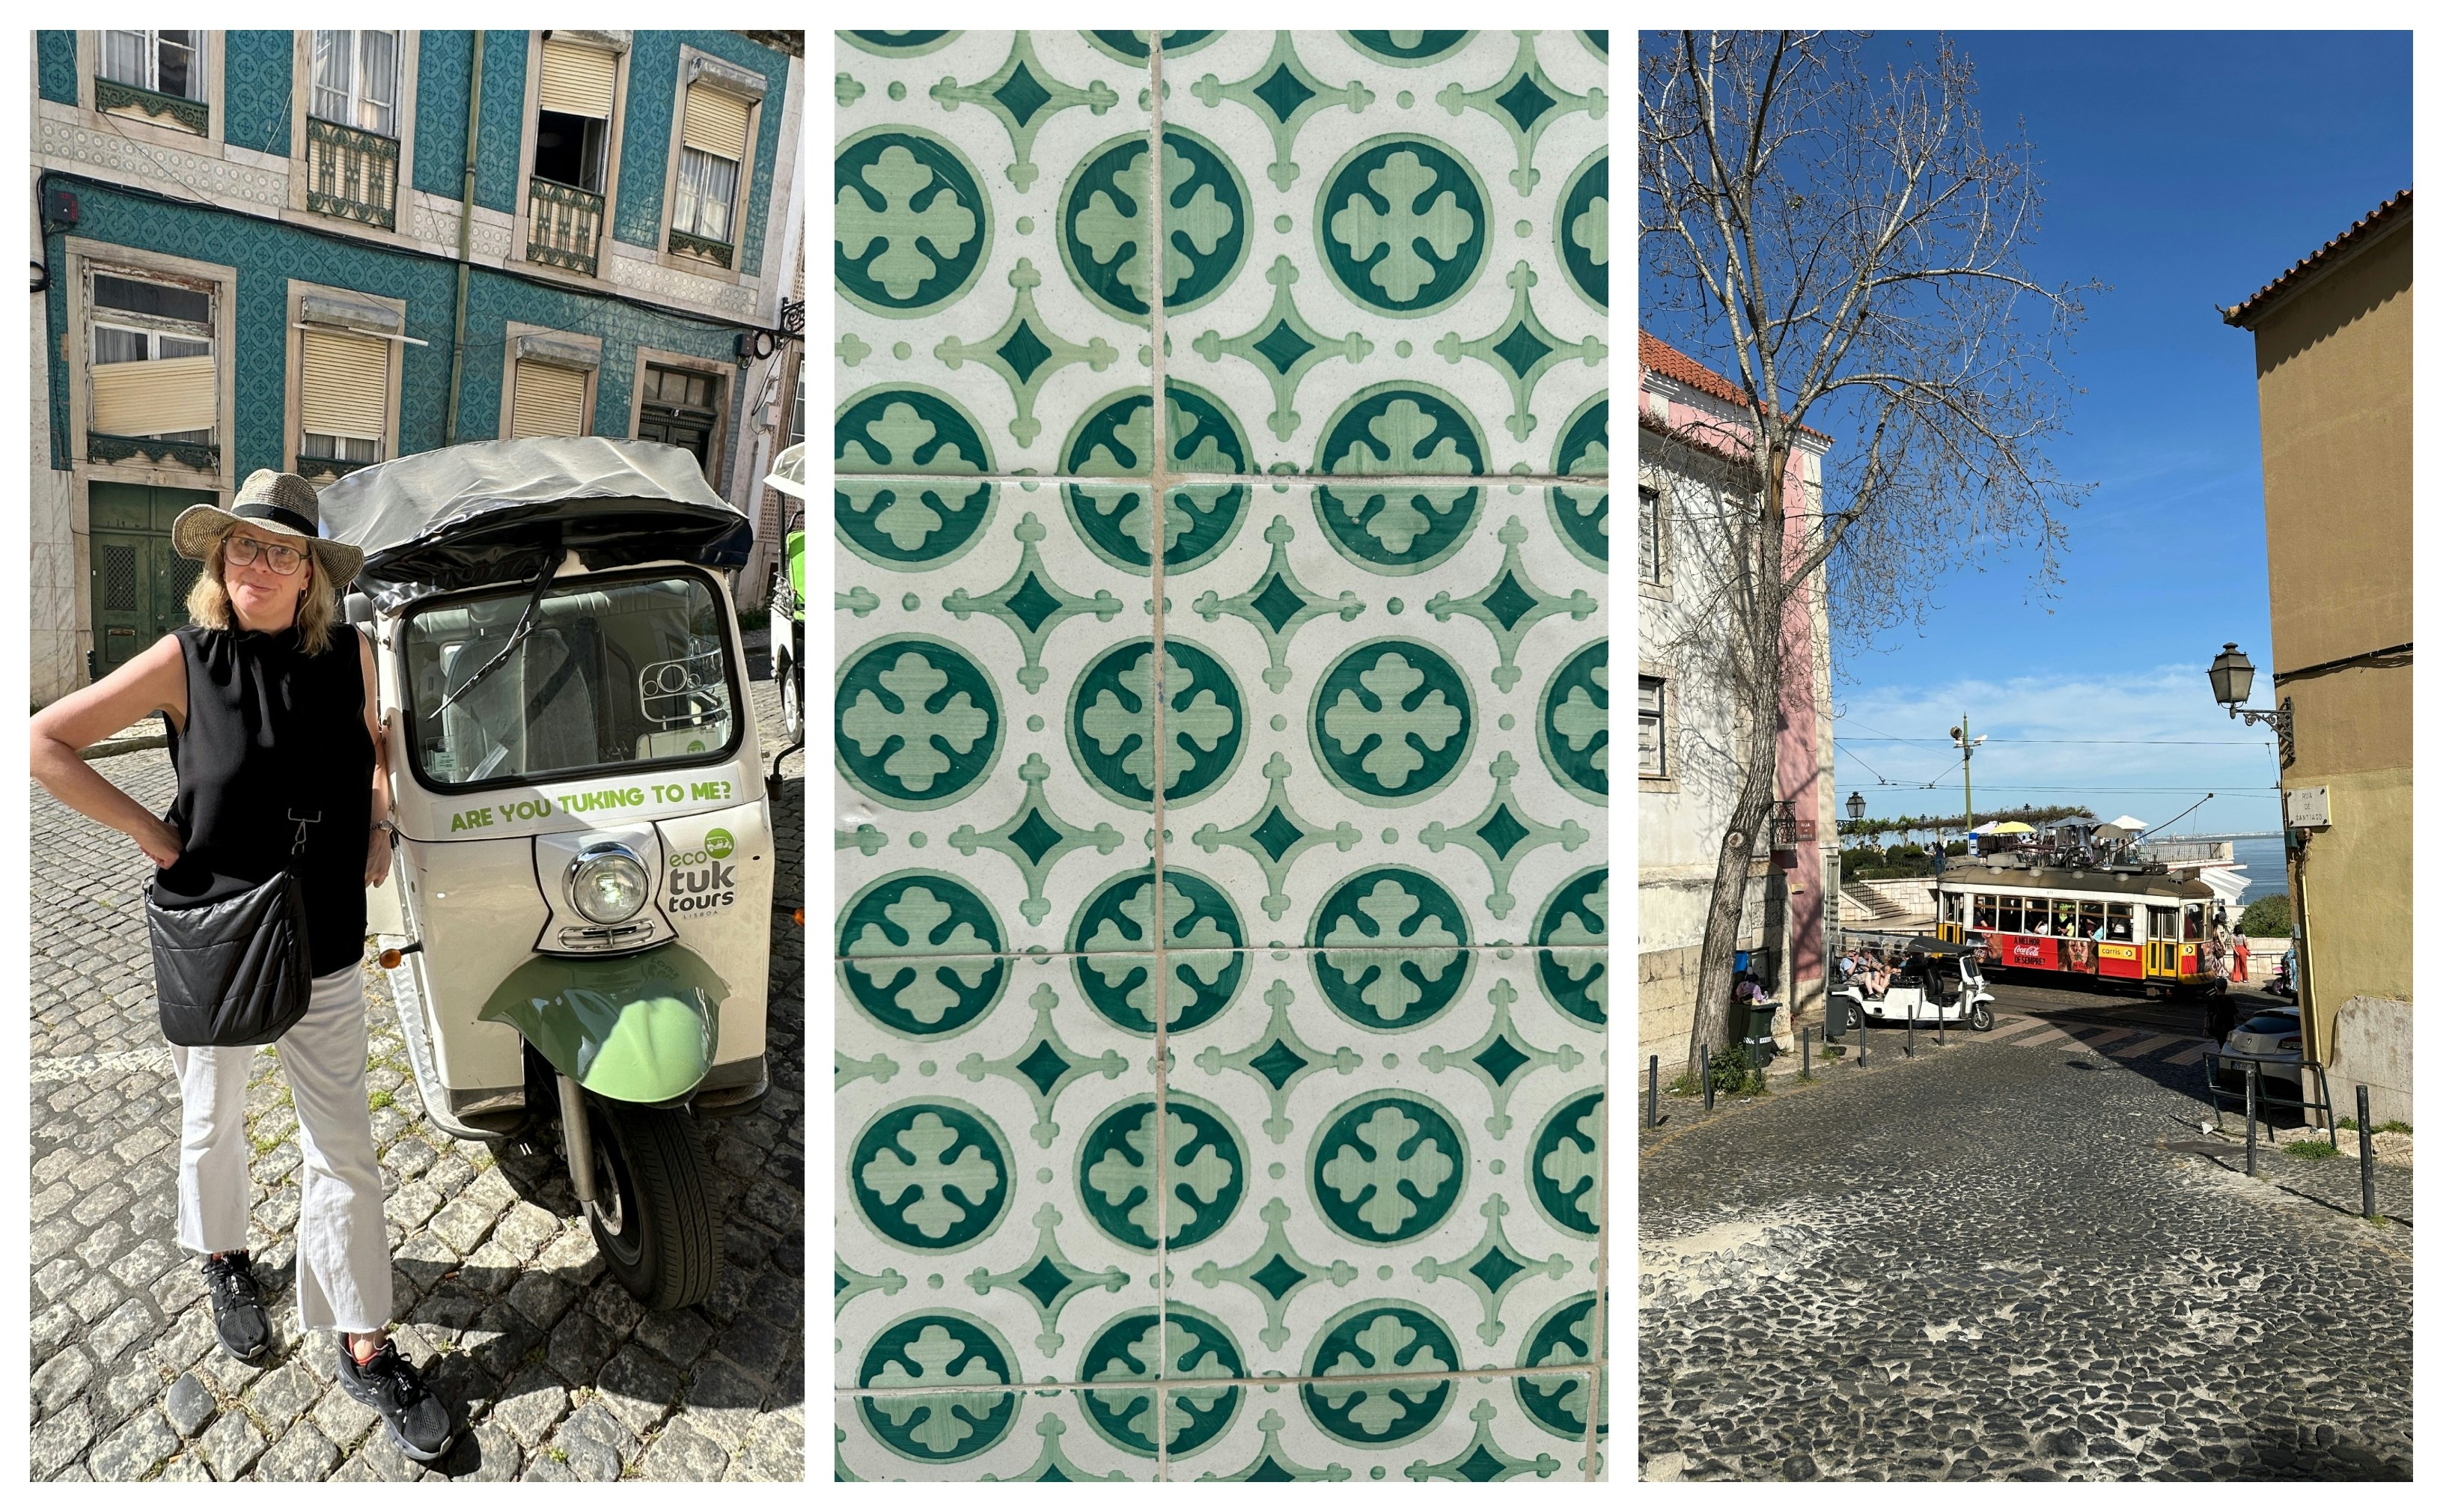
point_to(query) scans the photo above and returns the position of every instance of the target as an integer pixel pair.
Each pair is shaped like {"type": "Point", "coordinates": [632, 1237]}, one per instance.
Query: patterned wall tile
{"type": "Point", "coordinates": [55, 54]}
{"type": "Point", "coordinates": [985, 1435]}
{"type": "Point", "coordinates": [1420, 280]}
{"type": "Point", "coordinates": [1405, 702]}
{"type": "Point", "coordinates": [991, 724]}
{"type": "Point", "coordinates": [992, 204]}
{"type": "Point", "coordinates": [1450, 1428]}
{"type": "Point", "coordinates": [255, 82]}
{"type": "Point", "coordinates": [986, 1127]}
{"type": "Point", "coordinates": [1363, 1129]}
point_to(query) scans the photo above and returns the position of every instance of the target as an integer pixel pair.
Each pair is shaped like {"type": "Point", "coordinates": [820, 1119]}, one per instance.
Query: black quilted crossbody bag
{"type": "Point", "coordinates": [233, 971]}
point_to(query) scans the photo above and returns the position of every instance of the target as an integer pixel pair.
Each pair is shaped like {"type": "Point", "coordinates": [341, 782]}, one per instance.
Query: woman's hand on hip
{"type": "Point", "coordinates": [160, 844]}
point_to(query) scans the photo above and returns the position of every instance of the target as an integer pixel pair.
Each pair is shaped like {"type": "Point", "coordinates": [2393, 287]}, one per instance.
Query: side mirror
{"type": "Point", "coordinates": [359, 608]}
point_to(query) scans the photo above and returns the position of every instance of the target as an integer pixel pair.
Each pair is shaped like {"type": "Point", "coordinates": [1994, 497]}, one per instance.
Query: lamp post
{"type": "Point", "coordinates": [2232, 674]}
{"type": "Point", "coordinates": [1857, 808]}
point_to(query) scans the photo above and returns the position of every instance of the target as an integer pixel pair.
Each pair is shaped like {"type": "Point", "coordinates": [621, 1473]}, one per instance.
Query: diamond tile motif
{"type": "Point", "coordinates": [1221, 739]}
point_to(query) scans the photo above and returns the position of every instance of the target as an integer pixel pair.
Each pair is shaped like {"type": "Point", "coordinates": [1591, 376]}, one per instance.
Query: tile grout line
{"type": "Point", "coordinates": [1158, 483]}
{"type": "Point", "coordinates": [1598, 1347]}
{"type": "Point", "coordinates": [1541, 480]}
{"type": "Point", "coordinates": [1265, 1382]}
{"type": "Point", "coordinates": [1497, 950]}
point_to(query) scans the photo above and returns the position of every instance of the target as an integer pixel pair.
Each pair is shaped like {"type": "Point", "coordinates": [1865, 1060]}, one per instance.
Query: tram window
{"type": "Point", "coordinates": [2192, 921]}
{"type": "Point", "coordinates": [2162, 924]}
{"type": "Point", "coordinates": [2012, 921]}
{"type": "Point", "coordinates": [2117, 919]}
{"type": "Point", "coordinates": [2090, 919]}
{"type": "Point", "coordinates": [1984, 911]}
{"type": "Point", "coordinates": [2066, 917]}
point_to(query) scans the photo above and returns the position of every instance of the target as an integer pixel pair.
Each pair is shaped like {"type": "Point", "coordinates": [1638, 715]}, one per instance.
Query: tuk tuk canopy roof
{"type": "Point", "coordinates": [788, 474]}
{"type": "Point", "coordinates": [502, 511]}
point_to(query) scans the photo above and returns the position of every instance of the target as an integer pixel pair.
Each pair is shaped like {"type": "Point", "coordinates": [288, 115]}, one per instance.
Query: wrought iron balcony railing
{"type": "Point", "coordinates": [313, 467]}
{"type": "Point", "coordinates": [351, 174]}
{"type": "Point", "coordinates": [109, 94]}
{"type": "Point", "coordinates": [701, 246]}
{"type": "Point", "coordinates": [102, 447]}
{"type": "Point", "coordinates": [563, 226]}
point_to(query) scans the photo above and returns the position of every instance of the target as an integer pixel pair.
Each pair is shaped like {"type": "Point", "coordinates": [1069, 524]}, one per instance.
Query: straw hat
{"type": "Point", "coordinates": [277, 504]}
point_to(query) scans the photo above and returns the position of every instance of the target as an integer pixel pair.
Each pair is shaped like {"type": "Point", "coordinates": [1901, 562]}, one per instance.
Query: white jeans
{"type": "Point", "coordinates": [342, 1247]}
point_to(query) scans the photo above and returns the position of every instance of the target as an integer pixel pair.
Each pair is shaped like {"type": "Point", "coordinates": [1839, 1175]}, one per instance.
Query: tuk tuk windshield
{"type": "Point", "coordinates": [612, 674]}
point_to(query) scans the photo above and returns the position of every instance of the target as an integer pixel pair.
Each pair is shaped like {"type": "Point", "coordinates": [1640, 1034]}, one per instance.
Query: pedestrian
{"type": "Point", "coordinates": [270, 711]}
{"type": "Point", "coordinates": [2239, 958]}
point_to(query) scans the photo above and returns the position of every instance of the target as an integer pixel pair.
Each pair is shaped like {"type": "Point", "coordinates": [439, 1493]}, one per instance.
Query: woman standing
{"type": "Point", "coordinates": [270, 708]}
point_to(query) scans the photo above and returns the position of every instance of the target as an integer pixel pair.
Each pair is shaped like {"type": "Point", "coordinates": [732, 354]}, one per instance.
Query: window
{"type": "Point", "coordinates": [573, 114]}
{"type": "Point", "coordinates": [342, 397]}
{"type": "Point", "coordinates": [2116, 922]}
{"type": "Point", "coordinates": [798, 409]}
{"type": "Point", "coordinates": [712, 143]}
{"type": "Point", "coordinates": [356, 79]}
{"type": "Point", "coordinates": [1984, 911]}
{"type": "Point", "coordinates": [1649, 536]}
{"type": "Point", "coordinates": [549, 400]}
{"type": "Point", "coordinates": [152, 358]}
{"type": "Point", "coordinates": [2090, 919]}
{"type": "Point", "coordinates": [680, 408]}
{"type": "Point", "coordinates": [166, 62]}
{"type": "Point", "coordinates": [1650, 758]}
{"type": "Point", "coordinates": [2012, 921]}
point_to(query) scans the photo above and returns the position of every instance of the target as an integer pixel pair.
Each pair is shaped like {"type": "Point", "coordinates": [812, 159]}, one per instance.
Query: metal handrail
{"type": "Point", "coordinates": [563, 226]}
{"type": "Point", "coordinates": [351, 173]}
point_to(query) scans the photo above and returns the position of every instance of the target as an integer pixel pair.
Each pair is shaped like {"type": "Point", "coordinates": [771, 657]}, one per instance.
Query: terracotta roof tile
{"type": "Point", "coordinates": [1657, 356]}
{"type": "Point", "coordinates": [2382, 217]}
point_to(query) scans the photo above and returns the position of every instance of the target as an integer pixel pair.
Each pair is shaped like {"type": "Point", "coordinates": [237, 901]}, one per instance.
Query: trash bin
{"type": "Point", "coordinates": [1758, 1039]}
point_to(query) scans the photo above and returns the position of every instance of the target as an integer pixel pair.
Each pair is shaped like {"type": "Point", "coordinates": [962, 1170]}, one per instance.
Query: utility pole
{"type": "Point", "coordinates": [1967, 744]}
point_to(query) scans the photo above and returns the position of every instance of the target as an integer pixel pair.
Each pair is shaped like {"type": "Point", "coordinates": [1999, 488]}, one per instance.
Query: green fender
{"type": "Point", "coordinates": [638, 1028]}
{"type": "Point", "coordinates": [797, 555]}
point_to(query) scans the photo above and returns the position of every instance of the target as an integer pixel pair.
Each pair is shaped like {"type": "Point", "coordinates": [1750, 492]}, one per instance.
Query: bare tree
{"type": "Point", "coordinates": [1845, 243]}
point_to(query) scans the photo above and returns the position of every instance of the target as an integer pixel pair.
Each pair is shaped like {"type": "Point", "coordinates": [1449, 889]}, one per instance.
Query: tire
{"type": "Point", "coordinates": [1980, 1016]}
{"type": "Point", "coordinates": [793, 697]}
{"type": "Point", "coordinates": [652, 1218]}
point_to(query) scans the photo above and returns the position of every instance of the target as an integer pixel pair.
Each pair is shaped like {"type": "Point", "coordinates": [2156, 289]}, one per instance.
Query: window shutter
{"type": "Point", "coordinates": [578, 80]}
{"type": "Point", "coordinates": [716, 123]}
{"type": "Point", "coordinates": [344, 386]}
{"type": "Point", "coordinates": [549, 401]}
{"type": "Point", "coordinates": [153, 398]}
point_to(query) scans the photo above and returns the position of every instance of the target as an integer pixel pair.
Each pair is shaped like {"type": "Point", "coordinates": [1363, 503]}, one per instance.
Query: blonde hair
{"type": "Point", "coordinates": [208, 602]}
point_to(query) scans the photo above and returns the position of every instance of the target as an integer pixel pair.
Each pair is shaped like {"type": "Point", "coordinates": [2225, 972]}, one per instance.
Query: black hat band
{"type": "Point", "coordinates": [255, 509]}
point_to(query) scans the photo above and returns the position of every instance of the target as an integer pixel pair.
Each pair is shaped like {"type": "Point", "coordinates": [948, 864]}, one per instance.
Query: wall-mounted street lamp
{"type": "Point", "coordinates": [2232, 674]}
{"type": "Point", "coordinates": [1857, 808]}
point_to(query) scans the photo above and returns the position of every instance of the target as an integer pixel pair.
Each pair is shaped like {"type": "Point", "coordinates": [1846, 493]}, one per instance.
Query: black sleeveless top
{"type": "Point", "coordinates": [275, 770]}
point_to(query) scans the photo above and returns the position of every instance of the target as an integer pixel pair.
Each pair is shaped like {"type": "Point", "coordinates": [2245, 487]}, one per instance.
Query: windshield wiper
{"type": "Point", "coordinates": [517, 635]}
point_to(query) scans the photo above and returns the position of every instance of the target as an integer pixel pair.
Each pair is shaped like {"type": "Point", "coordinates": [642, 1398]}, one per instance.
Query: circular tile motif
{"type": "Point", "coordinates": [1409, 48]}
{"type": "Point", "coordinates": [1573, 723]}
{"type": "Point", "coordinates": [1391, 721]}
{"type": "Point", "coordinates": [1118, 922]}
{"type": "Point", "coordinates": [915, 723]}
{"type": "Point", "coordinates": [1132, 46]}
{"type": "Point", "coordinates": [1142, 1347]}
{"type": "Point", "coordinates": [1393, 948]}
{"type": "Point", "coordinates": [1117, 438]}
{"type": "Point", "coordinates": [1111, 723]}
{"type": "Point", "coordinates": [930, 1175]}
{"type": "Point", "coordinates": [1582, 511]}
{"type": "Point", "coordinates": [1386, 1167]}
{"type": "Point", "coordinates": [1582, 232]}
{"type": "Point", "coordinates": [900, 43]}
{"type": "Point", "coordinates": [905, 429]}
{"type": "Point", "coordinates": [1400, 224]}
{"type": "Point", "coordinates": [1564, 1336]}
{"type": "Point", "coordinates": [915, 912]}
{"type": "Point", "coordinates": [1575, 972]}
{"type": "Point", "coordinates": [1379, 1338]}
{"type": "Point", "coordinates": [1566, 1164]}
{"type": "Point", "coordinates": [902, 524]}
{"type": "Point", "coordinates": [1106, 234]}
{"type": "Point", "coordinates": [938, 1349]}
{"type": "Point", "coordinates": [911, 223]}
{"type": "Point", "coordinates": [1204, 1162]}
{"type": "Point", "coordinates": [1399, 527]}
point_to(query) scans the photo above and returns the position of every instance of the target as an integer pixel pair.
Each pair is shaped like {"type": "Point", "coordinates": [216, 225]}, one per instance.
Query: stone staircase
{"type": "Point", "coordinates": [1864, 909]}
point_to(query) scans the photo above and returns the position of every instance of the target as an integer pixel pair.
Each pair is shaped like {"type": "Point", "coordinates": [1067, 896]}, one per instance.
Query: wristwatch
{"type": "Point", "coordinates": [388, 828]}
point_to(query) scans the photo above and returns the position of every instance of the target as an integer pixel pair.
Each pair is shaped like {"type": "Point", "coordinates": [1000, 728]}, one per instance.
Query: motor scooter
{"type": "Point", "coordinates": [788, 602]}
{"type": "Point", "coordinates": [577, 922]}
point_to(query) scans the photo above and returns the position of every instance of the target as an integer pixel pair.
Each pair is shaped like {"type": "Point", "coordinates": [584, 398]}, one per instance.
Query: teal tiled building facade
{"type": "Point", "coordinates": [223, 207]}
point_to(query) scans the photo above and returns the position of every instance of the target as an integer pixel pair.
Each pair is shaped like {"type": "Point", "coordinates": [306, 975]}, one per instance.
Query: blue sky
{"type": "Point", "coordinates": [2186, 171]}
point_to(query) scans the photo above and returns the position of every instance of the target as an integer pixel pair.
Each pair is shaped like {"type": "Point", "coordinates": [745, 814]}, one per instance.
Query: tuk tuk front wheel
{"type": "Point", "coordinates": [792, 678]}
{"type": "Point", "coordinates": [652, 1216]}
{"type": "Point", "coordinates": [1980, 1016]}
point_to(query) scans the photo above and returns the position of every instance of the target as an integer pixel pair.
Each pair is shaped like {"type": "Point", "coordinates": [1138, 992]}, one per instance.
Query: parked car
{"type": "Point", "coordinates": [2271, 1039]}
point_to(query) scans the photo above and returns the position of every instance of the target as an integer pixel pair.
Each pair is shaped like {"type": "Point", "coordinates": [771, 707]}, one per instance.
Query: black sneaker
{"type": "Point", "coordinates": [418, 1422]}
{"type": "Point", "coordinates": [237, 1306]}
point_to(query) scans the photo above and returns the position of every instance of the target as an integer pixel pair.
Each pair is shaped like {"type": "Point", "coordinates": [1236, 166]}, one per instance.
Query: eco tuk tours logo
{"type": "Point", "coordinates": [701, 882]}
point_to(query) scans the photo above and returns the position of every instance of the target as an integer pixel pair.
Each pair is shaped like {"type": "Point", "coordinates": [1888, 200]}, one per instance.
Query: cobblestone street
{"type": "Point", "coordinates": [2013, 1259]}
{"type": "Point", "coordinates": [556, 1372]}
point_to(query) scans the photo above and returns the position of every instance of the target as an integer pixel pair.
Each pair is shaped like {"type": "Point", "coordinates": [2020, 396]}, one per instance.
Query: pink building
{"type": "Point", "coordinates": [1694, 440]}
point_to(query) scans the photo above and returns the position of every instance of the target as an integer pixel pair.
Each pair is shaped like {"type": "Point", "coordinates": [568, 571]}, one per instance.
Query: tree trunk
{"type": "Point", "coordinates": [1750, 813]}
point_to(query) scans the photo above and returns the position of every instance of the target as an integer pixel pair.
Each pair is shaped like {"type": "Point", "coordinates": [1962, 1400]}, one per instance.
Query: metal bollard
{"type": "Point", "coordinates": [1937, 1027]}
{"type": "Point", "coordinates": [1705, 1069]}
{"type": "Point", "coordinates": [1908, 1039]}
{"type": "Point", "coordinates": [1653, 1090]}
{"type": "Point", "coordinates": [1805, 1054]}
{"type": "Point", "coordinates": [1861, 1044]}
{"type": "Point", "coordinates": [2252, 1118]}
{"type": "Point", "coordinates": [2366, 1160]}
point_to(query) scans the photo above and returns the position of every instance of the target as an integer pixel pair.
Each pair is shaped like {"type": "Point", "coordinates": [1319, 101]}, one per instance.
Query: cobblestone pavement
{"type": "Point", "coordinates": [560, 1374]}
{"type": "Point", "coordinates": [2008, 1259]}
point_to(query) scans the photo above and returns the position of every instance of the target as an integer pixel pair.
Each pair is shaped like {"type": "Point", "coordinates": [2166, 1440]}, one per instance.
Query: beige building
{"type": "Point", "coordinates": [2333, 391]}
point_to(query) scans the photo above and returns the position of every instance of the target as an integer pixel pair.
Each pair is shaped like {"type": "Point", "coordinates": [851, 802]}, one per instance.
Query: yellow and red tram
{"type": "Point", "coordinates": [2130, 924]}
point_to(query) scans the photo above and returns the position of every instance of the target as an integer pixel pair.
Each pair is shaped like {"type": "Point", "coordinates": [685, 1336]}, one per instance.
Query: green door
{"type": "Point", "coordinates": [137, 585]}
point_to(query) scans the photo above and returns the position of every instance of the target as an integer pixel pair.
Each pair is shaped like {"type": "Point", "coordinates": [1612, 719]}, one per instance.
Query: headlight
{"type": "Point", "coordinates": [608, 884]}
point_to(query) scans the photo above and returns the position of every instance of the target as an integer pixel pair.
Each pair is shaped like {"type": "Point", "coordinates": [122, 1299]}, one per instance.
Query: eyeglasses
{"type": "Point", "coordinates": [244, 551]}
